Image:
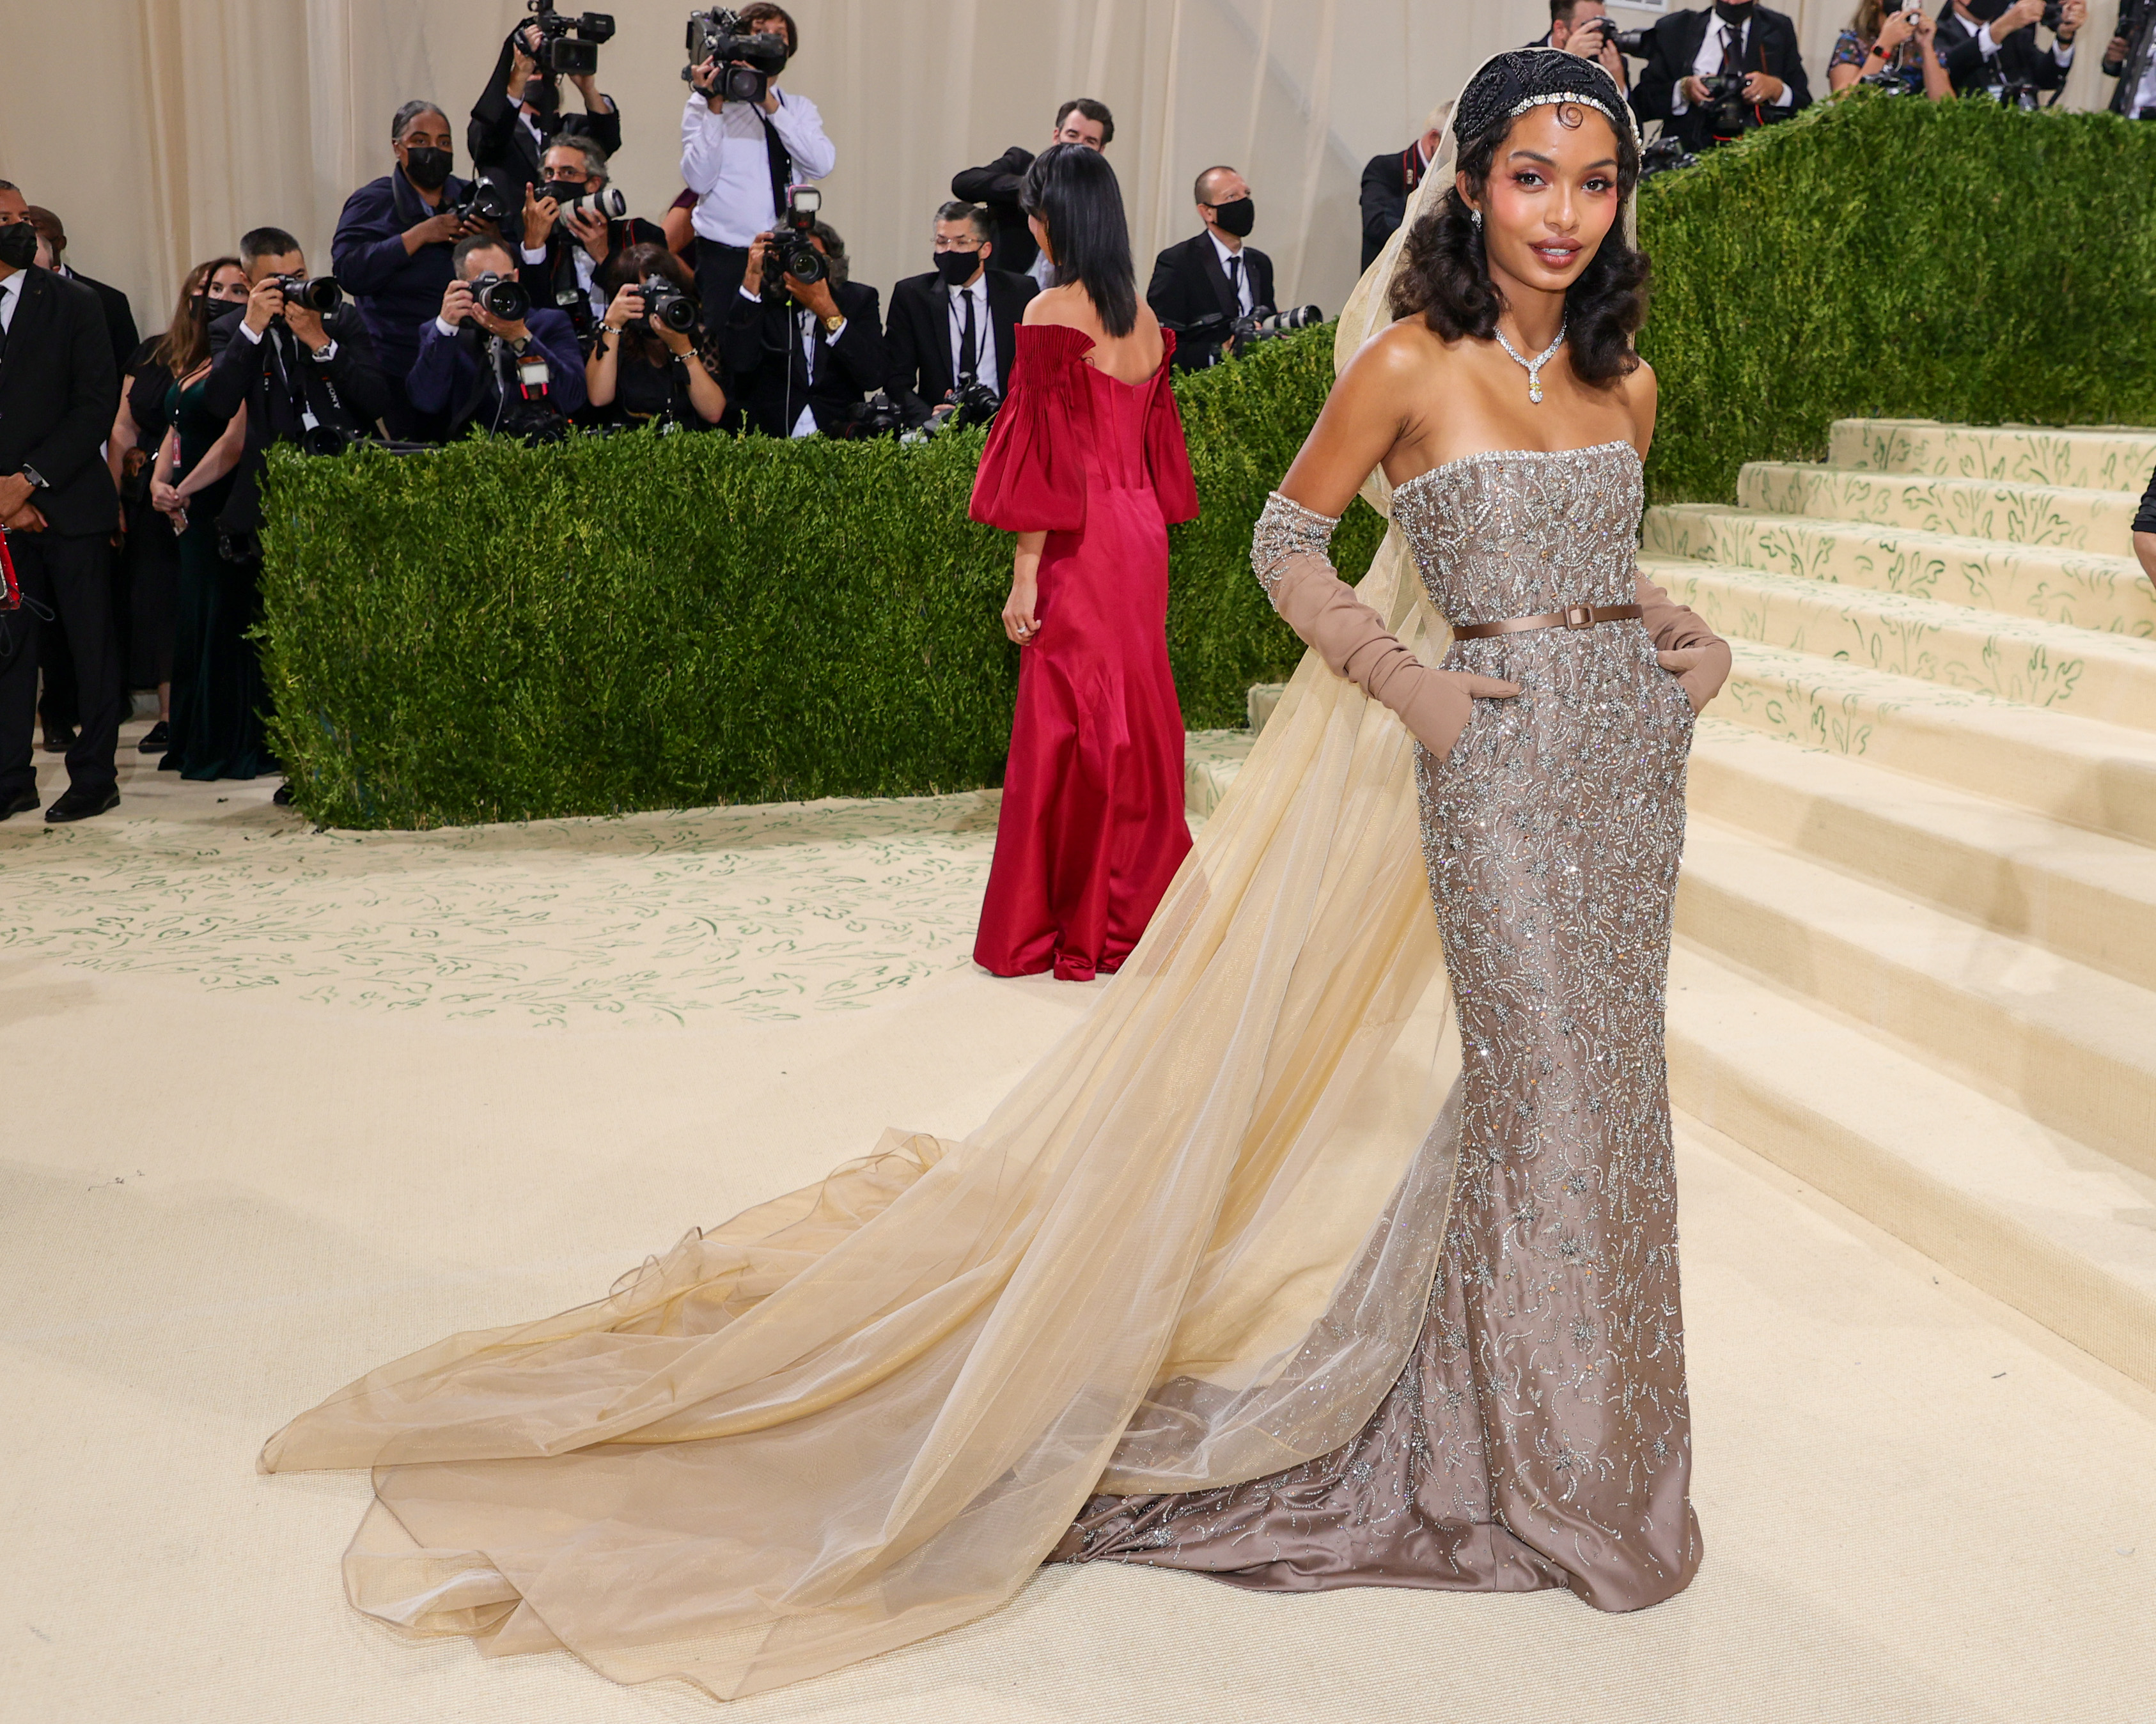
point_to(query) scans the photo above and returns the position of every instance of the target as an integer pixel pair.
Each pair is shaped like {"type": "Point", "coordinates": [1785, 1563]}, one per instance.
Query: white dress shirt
{"type": "Point", "coordinates": [984, 332]}
{"type": "Point", "coordinates": [1241, 273]}
{"type": "Point", "coordinates": [11, 290]}
{"type": "Point", "coordinates": [724, 162]}
{"type": "Point", "coordinates": [588, 269]}
{"type": "Point", "coordinates": [1988, 48]}
{"type": "Point", "coordinates": [1707, 62]}
{"type": "Point", "coordinates": [2144, 97]}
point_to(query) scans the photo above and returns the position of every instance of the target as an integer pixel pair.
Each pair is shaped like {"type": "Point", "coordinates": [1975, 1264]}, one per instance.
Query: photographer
{"type": "Point", "coordinates": [1897, 47]}
{"type": "Point", "coordinates": [1585, 27]}
{"type": "Point", "coordinates": [566, 248]}
{"type": "Point", "coordinates": [739, 155]}
{"type": "Point", "coordinates": [60, 390]}
{"type": "Point", "coordinates": [393, 246]}
{"type": "Point", "coordinates": [799, 363]}
{"type": "Point", "coordinates": [1387, 181]}
{"type": "Point", "coordinates": [522, 374]}
{"type": "Point", "coordinates": [519, 115]}
{"type": "Point", "coordinates": [996, 185]}
{"type": "Point", "coordinates": [1712, 75]}
{"type": "Point", "coordinates": [1991, 47]}
{"type": "Point", "coordinates": [2145, 531]}
{"type": "Point", "coordinates": [1212, 275]}
{"type": "Point", "coordinates": [2131, 59]}
{"type": "Point", "coordinates": [954, 327]}
{"type": "Point", "coordinates": [644, 368]}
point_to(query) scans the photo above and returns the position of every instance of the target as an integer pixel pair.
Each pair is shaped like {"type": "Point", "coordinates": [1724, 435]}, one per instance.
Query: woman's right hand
{"type": "Point", "coordinates": [1894, 30]}
{"type": "Point", "coordinates": [1019, 622]}
{"type": "Point", "coordinates": [628, 306]}
{"type": "Point", "coordinates": [165, 499]}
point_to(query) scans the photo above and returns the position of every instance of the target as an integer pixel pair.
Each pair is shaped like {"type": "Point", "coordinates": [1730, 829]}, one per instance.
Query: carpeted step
{"type": "Point", "coordinates": [2081, 671]}
{"type": "Point", "coordinates": [2111, 458]}
{"type": "Point", "coordinates": [2096, 775]}
{"type": "Point", "coordinates": [1210, 760]}
{"type": "Point", "coordinates": [2082, 894]}
{"type": "Point", "coordinates": [2076, 587]}
{"type": "Point", "coordinates": [2066, 1043]}
{"type": "Point", "coordinates": [2033, 1217]}
{"type": "Point", "coordinates": [2071, 518]}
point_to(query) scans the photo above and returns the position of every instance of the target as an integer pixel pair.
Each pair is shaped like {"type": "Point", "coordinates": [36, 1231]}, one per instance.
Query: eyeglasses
{"type": "Point", "coordinates": [944, 245]}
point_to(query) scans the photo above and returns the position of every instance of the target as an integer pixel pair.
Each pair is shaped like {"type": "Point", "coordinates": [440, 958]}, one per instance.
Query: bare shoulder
{"type": "Point", "coordinates": [1402, 359]}
{"type": "Point", "coordinates": [1063, 305]}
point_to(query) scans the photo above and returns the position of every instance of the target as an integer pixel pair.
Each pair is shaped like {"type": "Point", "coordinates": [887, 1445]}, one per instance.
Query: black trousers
{"type": "Point", "coordinates": [71, 576]}
{"type": "Point", "coordinates": [719, 272]}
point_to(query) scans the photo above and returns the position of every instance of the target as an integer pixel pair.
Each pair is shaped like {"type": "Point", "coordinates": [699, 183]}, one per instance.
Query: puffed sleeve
{"type": "Point", "coordinates": [1167, 457]}
{"type": "Point", "coordinates": [1032, 477]}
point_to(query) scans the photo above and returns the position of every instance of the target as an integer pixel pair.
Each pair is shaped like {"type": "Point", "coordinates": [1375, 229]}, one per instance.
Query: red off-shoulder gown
{"type": "Point", "coordinates": [1092, 826]}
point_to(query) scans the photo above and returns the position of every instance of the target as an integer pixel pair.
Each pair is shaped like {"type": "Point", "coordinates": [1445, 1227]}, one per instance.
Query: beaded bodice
{"type": "Point", "coordinates": [1515, 532]}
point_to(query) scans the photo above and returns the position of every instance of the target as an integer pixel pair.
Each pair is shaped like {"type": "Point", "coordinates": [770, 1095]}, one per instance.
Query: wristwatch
{"type": "Point", "coordinates": [833, 324]}
{"type": "Point", "coordinates": [327, 351]}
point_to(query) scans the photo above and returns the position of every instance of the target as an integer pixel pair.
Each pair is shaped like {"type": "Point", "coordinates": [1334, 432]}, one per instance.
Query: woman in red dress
{"type": "Point", "coordinates": [1086, 464]}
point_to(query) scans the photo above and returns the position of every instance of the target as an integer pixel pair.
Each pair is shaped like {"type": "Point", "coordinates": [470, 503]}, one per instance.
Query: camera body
{"type": "Point", "coordinates": [664, 303]}
{"type": "Point", "coordinates": [483, 201]}
{"type": "Point", "coordinates": [2053, 16]}
{"type": "Point", "coordinates": [502, 295]}
{"type": "Point", "coordinates": [876, 416]}
{"type": "Point", "coordinates": [791, 252]}
{"type": "Point", "coordinates": [1728, 114]}
{"type": "Point", "coordinates": [568, 45]}
{"type": "Point", "coordinates": [747, 60]}
{"type": "Point", "coordinates": [320, 293]}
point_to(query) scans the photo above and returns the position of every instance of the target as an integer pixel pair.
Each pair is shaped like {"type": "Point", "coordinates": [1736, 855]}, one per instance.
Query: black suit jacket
{"type": "Point", "coordinates": [59, 393]}
{"type": "Point", "coordinates": [1387, 180]}
{"type": "Point", "coordinates": [118, 320]}
{"type": "Point", "coordinates": [1770, 45]}
{"type": "Point", "coordinates": [503, 150]}
{"type": "Point", "coordinates": [552, 281]}
{"type": "Point", "coordinates": [996, 185]}
{"type": "Point", "coordinates": [2020, 59]}
{"type": "Point", "coordinates": [2137, 25]}
{"type": "Point", "coordinates": [350, 390]}
{"type": "Point", "coordinates": [919, 337]}
{"type": "Point", "coordinates": [1189, 283]}
{"type": "Point", "coordinates": [767, 368]}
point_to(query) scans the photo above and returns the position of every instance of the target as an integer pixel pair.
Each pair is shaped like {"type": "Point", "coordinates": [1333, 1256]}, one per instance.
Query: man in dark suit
{"type": "Point", "coordinates": [119, 314]}
{"type": "Point", "coordinates": [58, 392]}
{"type": "Point", "coordinates": [2131, 59]}
{"type": "Point", "coordinates": [959, 320]}
{"type": "Point", "coordinates": [1213, 275]}
{"type": "Point", "coordinates": [1585, 27]}
{"type": "Point", "coordinates": [509, 132]}
{"type": "Point", "coordinates": [564, 252]}
{"type": "Point", "coordinates": [1079, 120]}
{"type": "Point", "coordinates": [469, 368]}
{"type": "Point", "coordinates": [393, 247]}
{"type": "Point", "coordinates": [800, 366]}
{"type": "Point", "coordinates": [1387, 181]}
{"type": "Point", "coordinates": [1687, 48]}
{"type": "Point", "coordinates": [1991, 48]}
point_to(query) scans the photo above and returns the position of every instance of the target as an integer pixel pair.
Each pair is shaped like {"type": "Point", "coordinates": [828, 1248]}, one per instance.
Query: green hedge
{"type": "Point", "coordinates": [496, 633]}
{"type": "Point", "coordinates": [1889, 256]}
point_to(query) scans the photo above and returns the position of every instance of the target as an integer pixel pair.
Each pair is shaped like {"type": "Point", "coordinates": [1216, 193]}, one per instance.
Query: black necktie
{"type": "Point", "coordinates": [1732, 56]}
{"type": "Point", "coordinates": [1236, 280]}
{"type": "Point", "coordinates": [968, 352]}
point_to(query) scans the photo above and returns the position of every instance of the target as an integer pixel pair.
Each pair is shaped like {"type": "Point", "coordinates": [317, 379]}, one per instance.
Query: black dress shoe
{"type": "Point", "coordinates": [283, 798]}
{"type": "Point", "coordinates": [23, 802]}
{"type": "Point", "coordinates": [160, 737]}
{"type": "Point", "coordinates": [60, 741]}
{"type": "Point", "coordinates": [75, 804]}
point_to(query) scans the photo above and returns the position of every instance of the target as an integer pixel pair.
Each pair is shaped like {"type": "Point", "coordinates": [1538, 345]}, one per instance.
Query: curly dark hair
{"type": "Point", "coordinates": [1445, 277]}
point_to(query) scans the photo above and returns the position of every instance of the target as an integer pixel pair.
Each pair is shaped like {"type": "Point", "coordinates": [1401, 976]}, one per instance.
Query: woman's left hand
{"type": "Point", "coordinates": [1019, 622]}
{"type": "Point", "coordinates": [676, 340]}
{"type": "Point", "coordinates": [1679, 664]}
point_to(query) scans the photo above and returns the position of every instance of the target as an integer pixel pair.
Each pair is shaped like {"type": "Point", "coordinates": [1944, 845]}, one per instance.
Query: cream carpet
{"type": "Point", "coordinates": [285, 1103]}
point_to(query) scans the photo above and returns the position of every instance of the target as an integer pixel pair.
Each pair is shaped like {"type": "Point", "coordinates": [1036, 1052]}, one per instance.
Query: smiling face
{"type": "Point", "coordinates": [1552, 197]}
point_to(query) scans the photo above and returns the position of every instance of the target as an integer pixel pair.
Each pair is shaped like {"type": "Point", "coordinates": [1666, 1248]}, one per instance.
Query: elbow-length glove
{"type": "Point", "coordinates": [1288, 551]}
{"type": "Point", "coordinates": [1683, 645]}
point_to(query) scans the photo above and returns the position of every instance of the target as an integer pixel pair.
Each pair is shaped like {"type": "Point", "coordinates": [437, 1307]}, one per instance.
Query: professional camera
{"type": "Point", "coordinates": [665, 303]}
{"type": "Point", "coordinates": [1265, 324]}
{"type": "Point", "coordinates": [2053, 16]}
{"type": "Point", "coordinates": [1638, 44]}
{"type": "Point", "coordinates": [502, 295]}
{"type": "Point", "coordinates": [609, 203]}
{"type": "Point", "coordinates": [320, 295]}
{"type": "Point", "coordinates": [792, 252]}
{"type": "Point", "coordinates": [483, 201]}
{"type": "Point", "coordinates": [876, 416]}
{"type": "Point", "coordinates": [1728, 114]}
{"type": "Point", "coordinates": [1663, 155]}
{"type": "Point", "coordinates": [747, 60]}
{"type": "Point", "coordinates": [568, 45]}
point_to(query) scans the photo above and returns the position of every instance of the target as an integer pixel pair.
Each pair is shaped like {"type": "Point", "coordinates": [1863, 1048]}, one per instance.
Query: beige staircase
{"type": "Point", "coordinates": [1915, 958]}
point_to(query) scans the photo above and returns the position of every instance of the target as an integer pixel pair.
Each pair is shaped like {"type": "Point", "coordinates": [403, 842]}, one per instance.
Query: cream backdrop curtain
{"type": "Point", "coordinates": [161, 129]}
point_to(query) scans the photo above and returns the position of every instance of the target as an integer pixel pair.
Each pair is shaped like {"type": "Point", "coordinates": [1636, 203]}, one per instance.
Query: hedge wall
{"type": "Point", "coordinates": [496, 633]}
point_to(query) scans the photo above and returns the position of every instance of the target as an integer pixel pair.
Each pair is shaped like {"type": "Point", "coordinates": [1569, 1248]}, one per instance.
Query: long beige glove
{"type": "Point", "coordinates": [1683, 642]}
{"type": "Point", "coordinates": [1288, 551]}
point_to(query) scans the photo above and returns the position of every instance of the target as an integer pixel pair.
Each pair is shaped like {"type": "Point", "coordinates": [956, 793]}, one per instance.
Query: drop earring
{"type": "Point", "coordinates": [1476, 217]}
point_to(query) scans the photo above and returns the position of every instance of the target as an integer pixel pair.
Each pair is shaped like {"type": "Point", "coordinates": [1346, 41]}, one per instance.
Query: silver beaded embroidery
{"type": "Point", "coordinates": [1540, 1433]}
{"type": "Point", "coordinates": [1285, 529]}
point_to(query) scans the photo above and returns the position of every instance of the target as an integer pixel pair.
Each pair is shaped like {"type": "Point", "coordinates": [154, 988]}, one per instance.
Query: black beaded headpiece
{"type": "Point", "coordinates": [1529, 78]}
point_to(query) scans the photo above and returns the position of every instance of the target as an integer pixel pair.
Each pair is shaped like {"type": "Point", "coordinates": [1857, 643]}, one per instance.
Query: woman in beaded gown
{"type": "Point", "coordinates": [1209, 1289]}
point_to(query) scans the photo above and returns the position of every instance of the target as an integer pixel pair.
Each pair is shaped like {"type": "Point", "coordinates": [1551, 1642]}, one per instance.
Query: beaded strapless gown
{"type": "Point", "coordinates": [1538, 1435]}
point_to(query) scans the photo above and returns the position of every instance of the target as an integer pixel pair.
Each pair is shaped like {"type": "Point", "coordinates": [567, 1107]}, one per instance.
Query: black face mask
{"type": "Point", "coordinates": [560, 190]}
{"type": "Point", "coordinates": [1739, 14]}
{"type": "Point", "coordinates": [427, 169]}
{"type": "Point", "coordinates": [19, 245]}
{"type": "Point", "coordinates": [1236, 219]}
{"type": "Point", "coordinates": [956, 267]}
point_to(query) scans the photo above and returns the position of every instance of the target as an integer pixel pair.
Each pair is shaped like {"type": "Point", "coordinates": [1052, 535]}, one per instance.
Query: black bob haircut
{"type": "Point", "coordinates": [1074, 192]}
{"type": "Point", "coordinates": [1445, 272]}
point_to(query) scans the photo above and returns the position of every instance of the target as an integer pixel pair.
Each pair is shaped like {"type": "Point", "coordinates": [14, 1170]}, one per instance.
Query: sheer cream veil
{"type": "Point", "coordinates": [1192, 1246]}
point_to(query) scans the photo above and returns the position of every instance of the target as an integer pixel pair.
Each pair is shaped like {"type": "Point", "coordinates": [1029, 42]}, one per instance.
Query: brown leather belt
{"type": "Point", "coordinates": [1573, 616]}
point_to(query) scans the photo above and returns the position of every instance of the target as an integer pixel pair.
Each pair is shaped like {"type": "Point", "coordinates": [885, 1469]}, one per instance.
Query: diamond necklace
{"type": "Point", "coordinates": [1534, 366]}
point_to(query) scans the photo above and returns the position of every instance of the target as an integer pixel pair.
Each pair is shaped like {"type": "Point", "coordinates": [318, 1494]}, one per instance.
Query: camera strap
{"type": "Point", "coordinates": [11, 589]}
{"type": "Point", "coordinates": [782, 165]}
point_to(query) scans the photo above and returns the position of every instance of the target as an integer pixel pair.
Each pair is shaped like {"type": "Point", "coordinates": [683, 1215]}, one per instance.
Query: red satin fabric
{"type": "Point", "coordinates": [1092, 827]}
